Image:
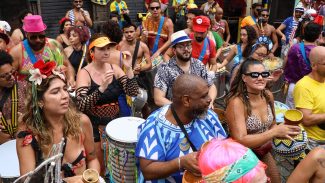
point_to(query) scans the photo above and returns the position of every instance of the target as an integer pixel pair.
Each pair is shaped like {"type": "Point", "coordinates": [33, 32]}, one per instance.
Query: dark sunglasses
{"type": "Point", "coordinates": [7, 76]}
{"type": "Point", "coordinates": [258, 74]}
{"type": "Point", "coordinates": [155, 8]}
{"type": "Point", "coordinates": [34, 37]}
{"type": "Point", "coordinates": [265, 15]}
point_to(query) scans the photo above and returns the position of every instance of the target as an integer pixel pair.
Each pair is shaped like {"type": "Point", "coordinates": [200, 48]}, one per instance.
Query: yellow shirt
{"type": "Point", "coordinates": [248, 21]}
{"type": "Point", "coordinates": [310, 94]}
{"type": "Point", "coordinates": [177, 2]}
{"type": "Point", "coordinates": [122, 6]}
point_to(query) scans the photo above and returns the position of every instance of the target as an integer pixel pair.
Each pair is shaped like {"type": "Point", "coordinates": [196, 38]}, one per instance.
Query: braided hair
{"type": "Point", "coordinates": [238, 87]}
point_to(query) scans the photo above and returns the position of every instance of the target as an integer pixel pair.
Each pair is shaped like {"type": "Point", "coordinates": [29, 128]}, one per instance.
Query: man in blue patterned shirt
{"type": "Point", "coordinates": [163, 150]}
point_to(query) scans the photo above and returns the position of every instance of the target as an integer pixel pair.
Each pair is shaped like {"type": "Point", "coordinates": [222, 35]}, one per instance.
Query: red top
{"type": "Point", "coordinates": [197, 47]}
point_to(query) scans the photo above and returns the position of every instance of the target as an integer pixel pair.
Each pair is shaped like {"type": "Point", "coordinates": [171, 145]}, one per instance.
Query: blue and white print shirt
{"type": "Point", "coordinates": [160, 140]}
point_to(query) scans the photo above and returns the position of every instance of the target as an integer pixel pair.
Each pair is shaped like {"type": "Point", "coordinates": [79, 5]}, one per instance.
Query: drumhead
{"type": "Point", "coordinates": [124, 129]}
{"type": "Point", "coordinates": [9, 165]}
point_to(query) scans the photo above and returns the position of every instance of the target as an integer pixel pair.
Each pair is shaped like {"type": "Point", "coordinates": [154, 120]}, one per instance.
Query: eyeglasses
{"type": "Point", "coordinates": [34, 37]}
{"type": "Point", "coordinates": [258, 74]}
{"type": "Point", "coordinates": [77, 1]}
{"type": "Point", "coordinates": [265, 15]}
{"type": "Point", "coordinates": [183, 47]}
{"type": "Point", "coordinates": [7, 76]}
{"type": "Point", "coordinates": [155, 8]}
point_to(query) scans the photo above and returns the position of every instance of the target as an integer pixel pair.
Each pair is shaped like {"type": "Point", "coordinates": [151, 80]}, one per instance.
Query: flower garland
{"type": "Point", "coordinates": [41, 71]}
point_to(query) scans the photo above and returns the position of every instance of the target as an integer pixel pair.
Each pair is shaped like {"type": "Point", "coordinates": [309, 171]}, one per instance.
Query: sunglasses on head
{"type": "Point", "coordinates": [34, 37]}
{"type": "Point", "coordinates": [155, 8]}
{"type": "Point", "coordinates": [258, 74]}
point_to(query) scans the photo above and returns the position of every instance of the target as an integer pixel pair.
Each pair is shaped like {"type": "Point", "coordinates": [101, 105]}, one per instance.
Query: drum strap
{"type": "Point", "coordinates": [135, 53]}
{"type": "Point", "coordinates": [203, 51]}
{"type": "Point", "coordinates": [303, 52]}
{"type": "Point", "coordinates": [180, 124]}
{"type": "Point", "coordinates": [161, 23]}
{"type": "Point", "coordinates": [10, 128]}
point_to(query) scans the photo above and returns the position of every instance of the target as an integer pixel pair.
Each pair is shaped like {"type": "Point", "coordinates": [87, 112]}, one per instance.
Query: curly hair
{"type": "Point", "coordinates": [63, 24]}
{"type": "Point", "coordinates": [82, 32]}
{"type": "Point", "coordinates": [113, 31]}
{"type": "Point", "coordinates": [43, 133]}
{"type": "Point", "coordinates": [251, 39]}
{"type": "Point", "coordinates": [238, 87]}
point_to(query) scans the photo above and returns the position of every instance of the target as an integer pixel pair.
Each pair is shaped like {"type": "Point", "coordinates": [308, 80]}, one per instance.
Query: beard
{"type": "Point", "coordinates": [184, 57]}
{"type": "Point", "coordinates": [199, 112]}
{"type": "Point", "coordinates": [199, 39]}
{"type": "Point", "coordinates": [36, 46]}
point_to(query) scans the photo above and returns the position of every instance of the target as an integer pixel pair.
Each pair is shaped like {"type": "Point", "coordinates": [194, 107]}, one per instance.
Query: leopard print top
{"type": "Point", "coordinates": [254, 125]}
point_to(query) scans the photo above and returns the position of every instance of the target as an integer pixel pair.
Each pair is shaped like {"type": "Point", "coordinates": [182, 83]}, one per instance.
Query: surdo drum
{"type": "Point", "coordinates": [122, 139]}
{"type": "Point", "coordinates": [9, 165]}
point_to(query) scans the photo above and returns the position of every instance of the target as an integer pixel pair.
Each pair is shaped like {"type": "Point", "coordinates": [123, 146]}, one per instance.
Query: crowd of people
{"type": "Point", "coordinates": [71, 87]}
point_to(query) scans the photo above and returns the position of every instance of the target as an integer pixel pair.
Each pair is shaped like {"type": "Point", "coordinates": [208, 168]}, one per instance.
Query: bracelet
{"type": "Point", "coordinates": [179, 163]}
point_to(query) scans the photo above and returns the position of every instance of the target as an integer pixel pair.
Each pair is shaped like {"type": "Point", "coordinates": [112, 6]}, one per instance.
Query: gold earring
{"type": "Point", "coordinates": [41, 105]}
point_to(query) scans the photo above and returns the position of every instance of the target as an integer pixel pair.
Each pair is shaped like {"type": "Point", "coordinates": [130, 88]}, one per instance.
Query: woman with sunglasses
{"type": "Point", "coordinates": [250, 114]}
{"type": "Point", "coordinates": [99, 86]}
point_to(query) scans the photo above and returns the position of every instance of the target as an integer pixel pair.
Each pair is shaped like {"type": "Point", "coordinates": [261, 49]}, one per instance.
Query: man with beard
{"type": "Point", "coordinates": [156, 30]}
{"type": "Point", "coordinates": [251, 20]}
{"type": "Point", "coordinates": [204, 49]}
{"type": "Point", "coordinates": [36, 47]}
{"type": "Point", "coordinates": [309, 98]}
{"type": "Point", "coordinates": [169, 138]}
{"type": "Point", "coordinates": [181, 63]}
{"type": "Point", "coordinates": [12, 94]}
{"type": "Point", "coordinates": [79, 16]}
{"type": "Point", "coordinates": [269, 31]}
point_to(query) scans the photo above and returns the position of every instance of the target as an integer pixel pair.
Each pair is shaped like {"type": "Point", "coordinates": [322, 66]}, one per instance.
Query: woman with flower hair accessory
{"type": "Point", "coordinates": [99, 86]}
{"type": "Point", "coordinates": [65, 25]}
{"type": "Point", "coordinates": [50, 116]}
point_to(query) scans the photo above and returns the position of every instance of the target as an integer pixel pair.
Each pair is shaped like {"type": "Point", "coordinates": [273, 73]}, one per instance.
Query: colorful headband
{"type": "Point", "coordinates": [41, 71]}
{"type": "Point", "coordinates": [235, 170]}
{"type": "Point", "coordinates": [100, 42]}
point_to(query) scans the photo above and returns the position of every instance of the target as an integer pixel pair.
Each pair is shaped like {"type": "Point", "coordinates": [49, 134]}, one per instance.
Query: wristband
{"type": "Point", "coordinates": [179, 164]}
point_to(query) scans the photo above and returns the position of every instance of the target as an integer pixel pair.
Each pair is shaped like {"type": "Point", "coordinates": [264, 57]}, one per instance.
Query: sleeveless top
{"type": "Point", "coordinates": [255, 126]}
{"type": "Point", "coordinates": [75, 59]}
{"type": "Point", "coordinates": [67, 168]}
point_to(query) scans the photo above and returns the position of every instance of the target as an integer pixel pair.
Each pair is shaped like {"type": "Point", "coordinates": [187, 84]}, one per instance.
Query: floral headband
{"type": "Point", "coordinates": [40, 72]}
{"type": "Point", "coordinates": [235, 170]}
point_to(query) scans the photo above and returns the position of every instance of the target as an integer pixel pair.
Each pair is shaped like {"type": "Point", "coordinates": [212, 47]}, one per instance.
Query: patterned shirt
{"type": "Point", "coordinates": [291, 26]}
{"type": "Point", "coordinates": [160, 140]}
{"type": "Point", "coordinates": [168, 72]}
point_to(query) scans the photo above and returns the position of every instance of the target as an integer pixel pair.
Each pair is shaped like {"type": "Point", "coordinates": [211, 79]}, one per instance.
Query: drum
{"type": "Point", "coordinates": [280, 109]}
{"type": "Point", "coordinates": [287, 148]}
{"type": "Point", "coordinates": [122, 138]}
{"type": "Point", "coordinates": [9, 165]}
{"type": "Point", "coordinates": [140, 100]}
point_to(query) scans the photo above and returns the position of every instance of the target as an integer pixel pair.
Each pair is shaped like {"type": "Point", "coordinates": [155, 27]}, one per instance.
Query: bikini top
{"type": "Point", "coordinates": [67, 168]}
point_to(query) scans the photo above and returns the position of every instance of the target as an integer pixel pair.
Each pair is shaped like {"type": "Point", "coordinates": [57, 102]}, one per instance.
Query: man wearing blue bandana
{"type": "Point", "coordinates": [170, 136]}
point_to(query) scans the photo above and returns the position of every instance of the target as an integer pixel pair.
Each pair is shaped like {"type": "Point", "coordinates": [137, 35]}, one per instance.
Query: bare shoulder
{"type": "Point", "coordinates": [235, 101]}
{"type": "Point", "coordinates": [143, 45]}
{"type": "Point", "coordinates": [85, 121]}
